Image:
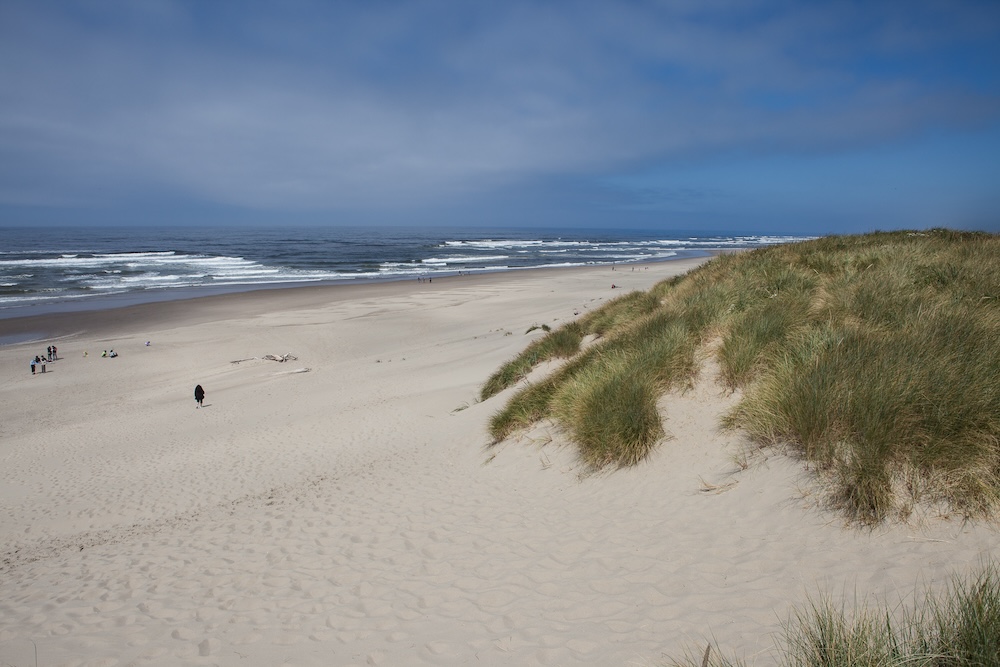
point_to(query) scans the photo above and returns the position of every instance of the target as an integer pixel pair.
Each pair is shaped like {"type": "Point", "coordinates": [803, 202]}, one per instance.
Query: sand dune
{"type": "Point", "coordinates": [354, 515]}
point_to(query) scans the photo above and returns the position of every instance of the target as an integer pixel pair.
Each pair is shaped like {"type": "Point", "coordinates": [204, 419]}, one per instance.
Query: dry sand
{"type": "Point", "coordinates": [353, 513]}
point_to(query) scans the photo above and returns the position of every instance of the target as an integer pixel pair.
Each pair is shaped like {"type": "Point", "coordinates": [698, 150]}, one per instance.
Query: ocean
{"type": "Point", "coordinates": [46, 270]}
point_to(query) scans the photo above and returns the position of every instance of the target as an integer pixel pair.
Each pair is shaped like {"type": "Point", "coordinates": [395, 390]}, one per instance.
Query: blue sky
{"type": "Point", "coordinates": [812, 117]}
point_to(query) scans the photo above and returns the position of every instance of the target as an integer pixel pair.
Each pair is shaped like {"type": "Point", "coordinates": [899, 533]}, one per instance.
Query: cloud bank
{"type": "Point", "coordinates": [403, 106]}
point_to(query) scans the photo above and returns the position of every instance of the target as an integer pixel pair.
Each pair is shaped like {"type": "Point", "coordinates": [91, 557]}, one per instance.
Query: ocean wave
{"type": "Point", "coordinates": [456, 259]}
{"type": "Point", "coordinates": [89, 263]}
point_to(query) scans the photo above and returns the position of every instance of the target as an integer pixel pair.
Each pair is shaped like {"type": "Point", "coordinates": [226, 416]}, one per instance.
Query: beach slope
{"type": "Point", "coordinates": [342, 507]}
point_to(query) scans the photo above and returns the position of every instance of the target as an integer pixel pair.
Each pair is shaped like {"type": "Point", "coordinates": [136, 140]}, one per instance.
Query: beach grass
{"type": "Point", "coordinates": [958, 627]}
{"type": "Point", "coordinates": [609, 405]}
{"type": "Point", "coordinates": [561, 343]}
{"type": "Point", "coordinates": [876, 357]}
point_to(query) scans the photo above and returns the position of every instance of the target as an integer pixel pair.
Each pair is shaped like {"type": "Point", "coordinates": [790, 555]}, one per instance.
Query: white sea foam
{"type": "Point", "coordinates": [495, 244]}
{"type": "Point", "coordinates": [35, 298]}
{"type": "Point", "coordinates": [75, 272]}
{"type": "Point", "coordinates": [150, 279]}
{"type": "Point", "coordinates": [462, 259]}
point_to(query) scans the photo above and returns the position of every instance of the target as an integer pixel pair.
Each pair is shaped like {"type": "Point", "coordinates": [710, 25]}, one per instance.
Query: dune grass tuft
{"type": "Point", "coordinates": [610, 410]}
{"type": "Point", "coordinates": [526, 407]}
{"type": "Point", "coordinates": [959, 627]}
{"type": "Point", "coordinates": [562, 343]}
{"type": "Point", "coordinates": [877, 356]}
{"type": "Point", "coordinates": [609, 404]}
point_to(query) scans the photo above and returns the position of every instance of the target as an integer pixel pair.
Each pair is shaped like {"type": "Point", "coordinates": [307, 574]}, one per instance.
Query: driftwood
{"type": "Point", "coordinates": [280, 357]}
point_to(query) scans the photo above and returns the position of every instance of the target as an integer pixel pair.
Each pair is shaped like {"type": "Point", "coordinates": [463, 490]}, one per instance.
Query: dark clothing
{"type": "Point", "coordinates": [199, 394]}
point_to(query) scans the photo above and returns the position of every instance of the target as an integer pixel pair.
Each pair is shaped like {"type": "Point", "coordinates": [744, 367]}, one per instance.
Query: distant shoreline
{"type": "Point", "coordinates": [97, 269]}
{"type": "Point", "coordinates": [111, 314]}
{"type": "Point", "coordinates": [139, 297]}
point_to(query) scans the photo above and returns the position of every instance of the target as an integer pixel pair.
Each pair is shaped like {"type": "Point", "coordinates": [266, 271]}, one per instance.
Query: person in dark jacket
{"type": "Point", "coordinates": [199, 395]}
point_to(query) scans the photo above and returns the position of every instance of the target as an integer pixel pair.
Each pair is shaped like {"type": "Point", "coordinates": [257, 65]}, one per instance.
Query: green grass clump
{"type": "Point", "coordinates": [562, 343]}
{"type": "Point", "coordinates": [610, 411]}
{"type": "Point", "coordinates": [618, 312]}
{"type": "Point", "coordinates": [607, 396]}
{"type": "Point", "coordinates": [757, 334]}
{"type": "Point", "coordinates": [565, 341]}
{"type": "Point", "coordinates": [526, 407]}
{"type": "Point", "coordinates": [957, 628]}
{"type": "Point", "coordinates": [609, 405]}
{"type": "Point", "coordinates": [876, 356]}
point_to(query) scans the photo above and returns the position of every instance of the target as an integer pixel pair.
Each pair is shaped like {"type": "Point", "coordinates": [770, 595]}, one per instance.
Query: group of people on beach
{"type": "Point", "coordinates": [51, 354]}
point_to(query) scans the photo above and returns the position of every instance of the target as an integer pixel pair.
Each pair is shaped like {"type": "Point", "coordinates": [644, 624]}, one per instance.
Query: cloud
{"type": "Point", "coordinates": [392, 105]}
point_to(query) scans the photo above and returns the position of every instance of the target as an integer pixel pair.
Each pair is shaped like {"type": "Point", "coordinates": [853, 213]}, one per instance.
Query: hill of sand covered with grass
{"type": "Point", "coordinates": [357, 514]}
{"type": "Point", "coordinates": [876, 358]}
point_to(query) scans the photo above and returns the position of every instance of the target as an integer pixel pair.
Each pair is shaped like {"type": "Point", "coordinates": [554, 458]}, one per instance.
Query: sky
{"type": "Point", "coordinates": [704, 115]}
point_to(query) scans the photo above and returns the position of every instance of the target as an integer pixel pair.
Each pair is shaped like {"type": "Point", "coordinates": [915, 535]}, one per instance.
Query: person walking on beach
{"type": "Point", "coordinates": [199, 395]}
{"type": "Point", "coordinates": [32, 366]}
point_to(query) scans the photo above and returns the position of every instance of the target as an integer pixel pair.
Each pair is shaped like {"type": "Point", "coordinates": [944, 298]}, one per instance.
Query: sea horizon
{"type": "Point", "coordinates": [46, 270]}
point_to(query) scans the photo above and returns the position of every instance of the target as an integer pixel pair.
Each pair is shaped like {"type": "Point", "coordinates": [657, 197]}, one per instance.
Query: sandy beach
{"type": "Point", "coordinates": [344, 507]}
